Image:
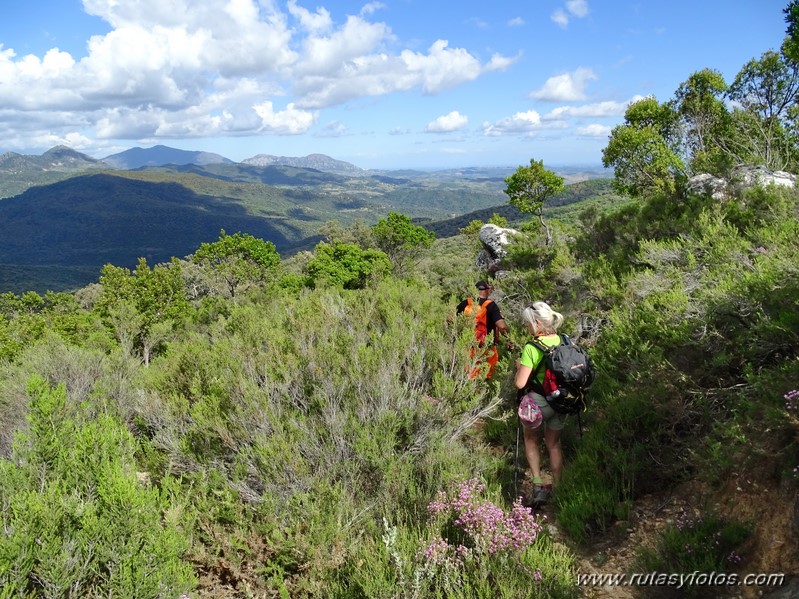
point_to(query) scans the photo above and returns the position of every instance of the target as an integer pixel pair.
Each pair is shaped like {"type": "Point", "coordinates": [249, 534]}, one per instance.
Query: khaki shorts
{"type": "Point", "coordinates": [552, 419]}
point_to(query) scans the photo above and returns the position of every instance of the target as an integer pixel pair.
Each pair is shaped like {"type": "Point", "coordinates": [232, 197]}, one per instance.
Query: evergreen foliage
{"type": "Point", "coordinates": [315, 433]}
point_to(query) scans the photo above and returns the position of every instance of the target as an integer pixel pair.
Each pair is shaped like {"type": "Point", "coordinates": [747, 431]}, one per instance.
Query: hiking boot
{"type": "Point", "coordinates": [540, 496]}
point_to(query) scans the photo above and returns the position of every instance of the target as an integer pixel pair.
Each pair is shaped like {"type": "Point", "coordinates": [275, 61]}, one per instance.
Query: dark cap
{"type": "Point", "coordinates": [482, 285]}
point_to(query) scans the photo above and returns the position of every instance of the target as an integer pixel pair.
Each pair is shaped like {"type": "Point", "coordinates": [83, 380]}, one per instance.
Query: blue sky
{"type": "Point", "coordinates": [389, 84]}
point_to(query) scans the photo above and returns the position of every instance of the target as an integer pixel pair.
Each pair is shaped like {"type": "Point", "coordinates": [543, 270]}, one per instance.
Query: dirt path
{"type": "Point", "coordinates": [615, 552]}
{"type": "Point", "coordinates": [771, 548]}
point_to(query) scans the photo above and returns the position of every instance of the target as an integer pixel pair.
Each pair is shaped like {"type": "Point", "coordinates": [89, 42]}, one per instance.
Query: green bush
{"type": "Point", "coordinates": [695, 543]}
{"type": "Point", "coordinates": [76, 519]}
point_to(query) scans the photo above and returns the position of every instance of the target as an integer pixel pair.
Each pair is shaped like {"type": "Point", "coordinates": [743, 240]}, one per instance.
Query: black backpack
{"type": "Point", "coordinates": [568, 374]}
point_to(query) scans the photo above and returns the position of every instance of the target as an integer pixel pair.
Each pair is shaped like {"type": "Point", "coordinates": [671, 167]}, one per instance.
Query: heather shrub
{"type": "Point", "coordinates": [76, 520]}
{"type": "Point", "coordinates": [93, 380]}
{"type": "Point", "coordinates": [469, 547]}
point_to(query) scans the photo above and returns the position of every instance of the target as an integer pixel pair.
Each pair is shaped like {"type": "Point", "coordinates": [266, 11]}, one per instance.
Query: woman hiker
{"type": "Point", "coordinates": [542, 322]}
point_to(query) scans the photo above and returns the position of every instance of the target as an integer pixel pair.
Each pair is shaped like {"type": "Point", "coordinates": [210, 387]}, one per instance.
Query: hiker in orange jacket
{"type": "Point", "coordinates": [488, 320]}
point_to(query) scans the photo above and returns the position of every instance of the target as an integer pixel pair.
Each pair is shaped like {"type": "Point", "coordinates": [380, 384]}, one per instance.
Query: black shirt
{"type": "Point", "coordinates": [492, 313]}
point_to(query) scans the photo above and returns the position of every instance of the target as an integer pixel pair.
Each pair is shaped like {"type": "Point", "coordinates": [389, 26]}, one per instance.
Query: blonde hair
{"type": "Point", "coordinates": [540, 313]}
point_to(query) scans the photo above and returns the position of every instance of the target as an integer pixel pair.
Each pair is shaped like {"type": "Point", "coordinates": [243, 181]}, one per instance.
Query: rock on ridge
{"type": "Point", "coordinates": [495, 240]}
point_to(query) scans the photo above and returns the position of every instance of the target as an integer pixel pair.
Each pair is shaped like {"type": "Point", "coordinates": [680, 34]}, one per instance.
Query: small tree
{"type": "Point", "coordinates": [704, 119]}
{"type": "Point", "coordinates": [345, 265]}
{"type": "Point", "coordinates": [529, 187]}
{"type": "Point", "coordinates": [472, 228]}
{"type": "Point", "coordinates": [498, 220]}
{"type": "Point", "coordinates": [767, 90]}
{"type": "Point", "coordinates": [142, 305]}
{"type": "Point", "coordinates": [401, 240]}
{"type": "Point", "coordinates": [645, 151]}
{"type": "Point", "coordinates": [239, 259]}
{"type": "Point", "coordinates": [790, 46]}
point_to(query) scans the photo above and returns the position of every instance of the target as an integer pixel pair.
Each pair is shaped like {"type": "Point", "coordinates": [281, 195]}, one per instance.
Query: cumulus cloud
{"type": "Point", "coordinates": [440, 68]}
{"type": "Point", "coordinates": [371, 7]}
{"type": "Point", "coordinates": [319, 21]}
{"type": "Point", "coordinates": [574, 8]}
{"type": "Point", "coordinates": [521, 123]}
{"type": "Point", "coordinates": [221, 67]}
{"type": "Point", "coordinates": [579, 8]}
{"type": "Point", "coordinates": [454, 121]}
{"type": "Point", "coordinates": [568, 87]}
{"type": "Point", "coordinates": [600, 109]}
{"type": "Point", "coordinates": [593, 130]}
{"type": "Point", "coordinates": [284, 122]}
{"type": "Point", "coordinates": [560, 18]}
{"type": "Point", "coordinates": [516, 22]}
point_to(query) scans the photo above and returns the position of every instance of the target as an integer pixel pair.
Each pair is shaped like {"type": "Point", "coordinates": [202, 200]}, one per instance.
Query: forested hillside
{"type": "Point", "coordinates": [60, 234]}
{"type": "Point", "coordinates": [240, 424]}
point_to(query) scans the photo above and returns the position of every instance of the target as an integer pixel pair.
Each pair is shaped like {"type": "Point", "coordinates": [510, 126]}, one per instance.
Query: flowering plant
{"type": "Point", "coordinates": [478, 527]}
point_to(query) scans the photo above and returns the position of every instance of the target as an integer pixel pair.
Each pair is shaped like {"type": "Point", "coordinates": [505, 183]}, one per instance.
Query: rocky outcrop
{"type": "Point", "coordinates": [741, 179]}
{"type": "Point", "coordinates": [749, 176]}
{"type": "Point", "coordinates": [495, 240]}
{"type": "Point", "coordinates": [704, 184]}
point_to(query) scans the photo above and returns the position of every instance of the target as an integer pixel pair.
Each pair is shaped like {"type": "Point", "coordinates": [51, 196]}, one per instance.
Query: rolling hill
{"type": "Point", "coordinates": [73, 214]}
{"type": "Point", "coordinates": [76, 226]}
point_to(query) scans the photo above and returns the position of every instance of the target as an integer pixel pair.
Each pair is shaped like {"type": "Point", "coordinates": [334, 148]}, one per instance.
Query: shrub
{"type": "Point", "coordinates": [473, 548]}
{"type": "Point", "coordinates": [705, 543]}
{"type": "Point", "coordinates": [77, 521]}
{"type": "Point", "coordinates": [346, 265]}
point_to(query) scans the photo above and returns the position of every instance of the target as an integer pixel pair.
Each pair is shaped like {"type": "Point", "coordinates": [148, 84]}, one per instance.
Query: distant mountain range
{"type": "Point", "coordinates": [155, 156]}
{"type": "Point", "coordinates": [319, 162]}
{"type": "Point", "coordinates": [160, 155]}
{"type": "Point", "coordinates": [66, 214]}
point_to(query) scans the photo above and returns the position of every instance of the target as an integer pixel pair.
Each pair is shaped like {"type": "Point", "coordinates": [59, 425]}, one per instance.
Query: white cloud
{"type": "Point", "coordinates": [568, 87]}
{"type": "Point", "coordinates": [574, 8]}
{"type": "Point", "coordinates": [219, 67]}
{"type": "Point", "coordinates": [379, 74]}
{"type": "Point", "coordinates": [579, 8]}
{"type": "Point", "coordinates": [560, 18]}
{"type": "Point", "coordinates": [516, 22]}
{"type": "Point", "coordinates": [333, 129]}
{"type": "Point", "coordinates": [600, 109]}
{"type": "Point", "coordinates": [454, 121]}
{"type": "Point", "coordinates": [319, 21]}
{"type": "Point", "coordinates": [372, 7]}
{"type": "Point", "coordinates": [285, 122]}
{"type": "Point", "coordinates": [521, 123]}
{"type": "Point", "coordinates": [478, 23]}
{"type": "Point", "coordinates": [593, 130]}
{"type": "Point", "coordinates": [445, 67]}
{"type": "Point", "coordinates": [331, 55]}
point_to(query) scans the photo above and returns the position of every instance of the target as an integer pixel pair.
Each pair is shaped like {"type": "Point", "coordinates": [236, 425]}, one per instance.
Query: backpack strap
{"type": "Point", "coordinates": [544, 349]}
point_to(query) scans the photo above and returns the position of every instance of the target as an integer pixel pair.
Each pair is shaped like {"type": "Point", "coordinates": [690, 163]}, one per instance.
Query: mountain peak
{"type": "Point", "coordinates": [320, 162]}
{"type": "Point", "coordinates": [160, 156]}
{"type": "Point", "coordinates": [62, 152]}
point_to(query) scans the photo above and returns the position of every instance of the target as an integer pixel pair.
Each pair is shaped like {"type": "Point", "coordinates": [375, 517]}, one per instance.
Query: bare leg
{"type": "Point", "coordinates": [532, 451]}
{"type": "Point", "coordinates": [552, 440]}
